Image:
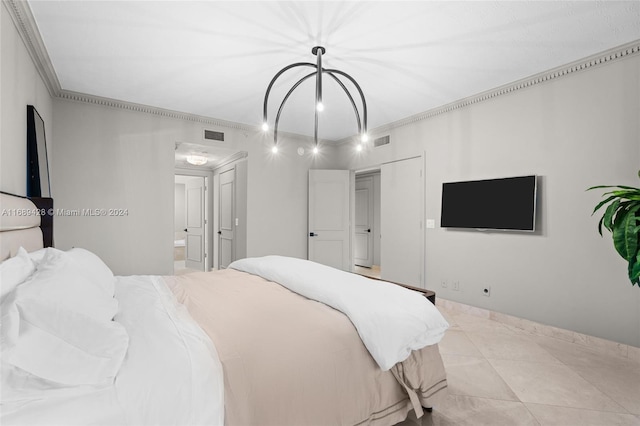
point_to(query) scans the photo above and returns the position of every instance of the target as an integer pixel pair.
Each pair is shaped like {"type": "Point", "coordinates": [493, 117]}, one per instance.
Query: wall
{"type": "Point", "coordinates": [115, 158]}
{"type": "Point", "coordinates": [179, 211]}
{"type": "Point", "coordinates": [574, 131]}
{"type": "Point", "coordinates": [277, 194]}
{"type": "Point", "coordinates": [20, 85]}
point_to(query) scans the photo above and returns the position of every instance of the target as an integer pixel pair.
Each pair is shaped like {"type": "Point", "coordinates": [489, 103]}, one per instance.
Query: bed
{"type": "Point", "coordinates": [268, 341]}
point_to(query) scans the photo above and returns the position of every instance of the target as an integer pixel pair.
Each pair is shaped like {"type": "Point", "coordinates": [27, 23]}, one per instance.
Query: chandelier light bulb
{"type": "Point", "coordinates": [265, 126]}
{"type": "Point", "coordinates": [320, 106]}
{"type": "Point", "coordinates": [364, 137]}
{"type": "Point", "coordinates": [359, 147]}
{"type": "Point", "coordinates": [315, 149]}
{"type": "Point", "coordinates": [274, 149]}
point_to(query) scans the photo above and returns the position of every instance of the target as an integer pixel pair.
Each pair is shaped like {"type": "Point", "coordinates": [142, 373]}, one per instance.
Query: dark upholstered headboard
{"type": "Point", "coordinates": [24, 222]}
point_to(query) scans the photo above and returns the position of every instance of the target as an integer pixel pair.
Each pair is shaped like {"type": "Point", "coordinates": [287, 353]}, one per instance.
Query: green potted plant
{"type": "Point", "coordinates": [622, 219]}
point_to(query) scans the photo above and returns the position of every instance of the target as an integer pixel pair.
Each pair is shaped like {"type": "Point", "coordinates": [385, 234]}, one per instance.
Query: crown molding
{"type": "Point", "coordinates": [608, 56]}
{"type": "Point", "coordinates": [241, 155]}
{"type": "Point", "coordinates": [20, 13]}
{"type": "Point", "coordinates": [131, 106]}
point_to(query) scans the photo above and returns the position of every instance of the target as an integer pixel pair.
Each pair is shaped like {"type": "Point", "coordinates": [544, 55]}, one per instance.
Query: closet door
{"type": "Point", "coordinates": [401, 216]}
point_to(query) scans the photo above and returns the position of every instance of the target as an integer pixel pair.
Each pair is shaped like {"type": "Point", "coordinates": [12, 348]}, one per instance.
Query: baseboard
{"type": "Point", "coordinates": [532, 327]}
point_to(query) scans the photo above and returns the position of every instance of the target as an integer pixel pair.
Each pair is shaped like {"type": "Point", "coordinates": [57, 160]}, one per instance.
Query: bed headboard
{"type": "Point", "coordinates": [21, 224]}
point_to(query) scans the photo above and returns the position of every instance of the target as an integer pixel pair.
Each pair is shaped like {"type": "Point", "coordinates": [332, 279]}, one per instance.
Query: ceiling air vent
{"type": "Point", "coordinates": [381, 141]}
{"type": "Point", "coordinates": [214, 136]}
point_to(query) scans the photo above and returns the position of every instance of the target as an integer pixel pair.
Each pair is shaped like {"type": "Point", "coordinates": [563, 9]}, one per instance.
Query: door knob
{"type": "Point", "coordinates": [313, 234]}
{"type": "Point", "coordinates": [369, 230]}
{"type": "Point", "coordinates": [219, 232]}
{"type": "Point", "coordinates": [185, 230]}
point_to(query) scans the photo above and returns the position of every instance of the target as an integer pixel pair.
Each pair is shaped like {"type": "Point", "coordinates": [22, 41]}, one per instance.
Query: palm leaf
{"type": "Point", "coordinates": [612, 186]}
{"type": "Point", "coordinates": [624, 239]}
{"type": "Point", "coordinates": [634, 270]}
{"type": "Point", "coordinates": [624, 194]}
{"type": "Point", "coordinates": [608, 214]}
{"type": "Point", "coordinates": [602, 203]}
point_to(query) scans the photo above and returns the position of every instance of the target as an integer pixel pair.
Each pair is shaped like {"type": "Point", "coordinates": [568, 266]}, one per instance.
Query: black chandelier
{"type": "Point", "coordinates": [318, 51]}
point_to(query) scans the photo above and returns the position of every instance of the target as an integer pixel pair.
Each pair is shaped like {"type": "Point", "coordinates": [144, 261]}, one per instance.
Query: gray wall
{"type": "Point", "coordinates": [115, 158]}
{"type": "Point", "coordinates": [20, 85]}
{"type": "Point", "coordinates": [574, 132]}
{"type": "Point", "coordinates": [180, 208]}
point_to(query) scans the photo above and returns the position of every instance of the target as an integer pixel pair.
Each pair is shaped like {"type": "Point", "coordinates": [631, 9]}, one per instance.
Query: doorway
{"type": "Point", "coordinates": [395, 192]}
{"type": "Point", "coordinates": [367, 240]}
{"type": "Point", "coordinates": [190, 224]}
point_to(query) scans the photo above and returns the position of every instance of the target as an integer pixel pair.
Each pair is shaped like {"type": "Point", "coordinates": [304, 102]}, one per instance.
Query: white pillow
{"type": "Point", "coordinates": [66, 347]}
{"type": "Point", "coordinates": [94, 268]}
{"type": "Point", "coordinates": [62, 281]}
{"type": "Point", "coordinates": [15, 271]}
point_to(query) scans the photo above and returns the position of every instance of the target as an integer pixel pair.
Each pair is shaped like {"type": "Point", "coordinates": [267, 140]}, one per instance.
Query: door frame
{"type": "Point", "coordinates": [238, 162]}
{"type": "Point", "coordinates": [208, 207]}
{"type": "Point", "coordinates": [352, 194]}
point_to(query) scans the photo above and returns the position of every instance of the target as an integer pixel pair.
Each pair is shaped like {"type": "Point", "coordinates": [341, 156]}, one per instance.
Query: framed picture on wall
{"type": "Point", "coordinates": [37, 163]}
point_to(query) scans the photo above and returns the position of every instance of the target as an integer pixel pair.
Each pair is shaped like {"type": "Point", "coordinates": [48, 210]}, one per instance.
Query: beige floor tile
{"type": "Point", "coordinates": [578, 354]}
{"type": "Point", "coordinates": [456, 342]}
{"type": "Point", "coordinates": [548, 415]}
{"type": "Point", "coordinates": [464, 410]}
{"type": "Point", "coordinates": [510, 346]}
{"type": "Point", "coordinates": [474, 323]}
{"type": "Point", "coordinates": [621, 384]}
{"type": "Point", "coordinates": [448, 315]}
{"type": "Point", "coordinates": [616, 376]}
{"type": "Point", "coordinates": [472, 376]}
{"type": "Point", "coordinates": [552, 384]}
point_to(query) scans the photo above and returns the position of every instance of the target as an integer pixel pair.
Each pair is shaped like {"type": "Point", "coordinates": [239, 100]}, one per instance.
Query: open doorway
{"type": "Point", "coordinates": [389, 243]}
{"type": "Point", "coordinates": [190, 224]}
{"type": "Point", "coordinates": [367, 241]}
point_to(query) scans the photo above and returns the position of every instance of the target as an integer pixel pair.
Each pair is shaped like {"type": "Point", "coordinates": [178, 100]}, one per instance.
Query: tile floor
{"type": "Point", "coordinates": [179, 268]}
{"type": "Point", "coordinates": [501, 375]}
{"type": "Point", "coordinates": [373, 272]}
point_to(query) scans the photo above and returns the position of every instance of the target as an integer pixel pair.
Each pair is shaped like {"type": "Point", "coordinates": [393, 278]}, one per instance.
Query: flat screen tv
{"type": "Point", "coordinates": [507, 204]}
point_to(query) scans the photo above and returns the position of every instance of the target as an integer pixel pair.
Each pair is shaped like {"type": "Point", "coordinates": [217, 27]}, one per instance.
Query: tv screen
{"type": "Point", "coordinates": [506, 204]}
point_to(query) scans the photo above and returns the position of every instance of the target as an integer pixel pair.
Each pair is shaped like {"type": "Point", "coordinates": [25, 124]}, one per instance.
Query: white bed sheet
{"type": "Point", "coordinates": [171, 373]}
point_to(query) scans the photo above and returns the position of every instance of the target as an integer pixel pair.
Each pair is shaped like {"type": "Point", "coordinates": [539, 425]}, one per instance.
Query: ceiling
{"type": "Point", "coordinates": [216, 58]}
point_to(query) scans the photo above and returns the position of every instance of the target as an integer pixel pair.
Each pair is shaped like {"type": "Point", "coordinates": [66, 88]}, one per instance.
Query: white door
{"type": "Point", "coordinates": [328, 237]}
{"type": "Point", "coordinates": [401, 213]}
{"type": "Point", "coordinates": [226, 221]}
{"type": "Point", "coordinates": [194, 240]}
{"type": "Point", "coordinates": [363, 245]}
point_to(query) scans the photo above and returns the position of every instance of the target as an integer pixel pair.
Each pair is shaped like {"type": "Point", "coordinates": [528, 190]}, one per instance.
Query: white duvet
{"type": "Point", "coordinates": [170, 375]}
{"type": "Point", "coordinates": [391, 320]}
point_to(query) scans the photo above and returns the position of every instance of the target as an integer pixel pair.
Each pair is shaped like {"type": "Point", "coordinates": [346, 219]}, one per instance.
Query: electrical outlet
{"type": "Point", "coordinates": [456, 286]}
{"type": "Point", "coordinates": [444, 284]}
{"type": "Point", "coordinates": [486, 291]}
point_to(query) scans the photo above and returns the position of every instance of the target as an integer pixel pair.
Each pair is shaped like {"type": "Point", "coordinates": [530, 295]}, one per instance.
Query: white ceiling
{"type": "Point", "coordinates": [216, 58]}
